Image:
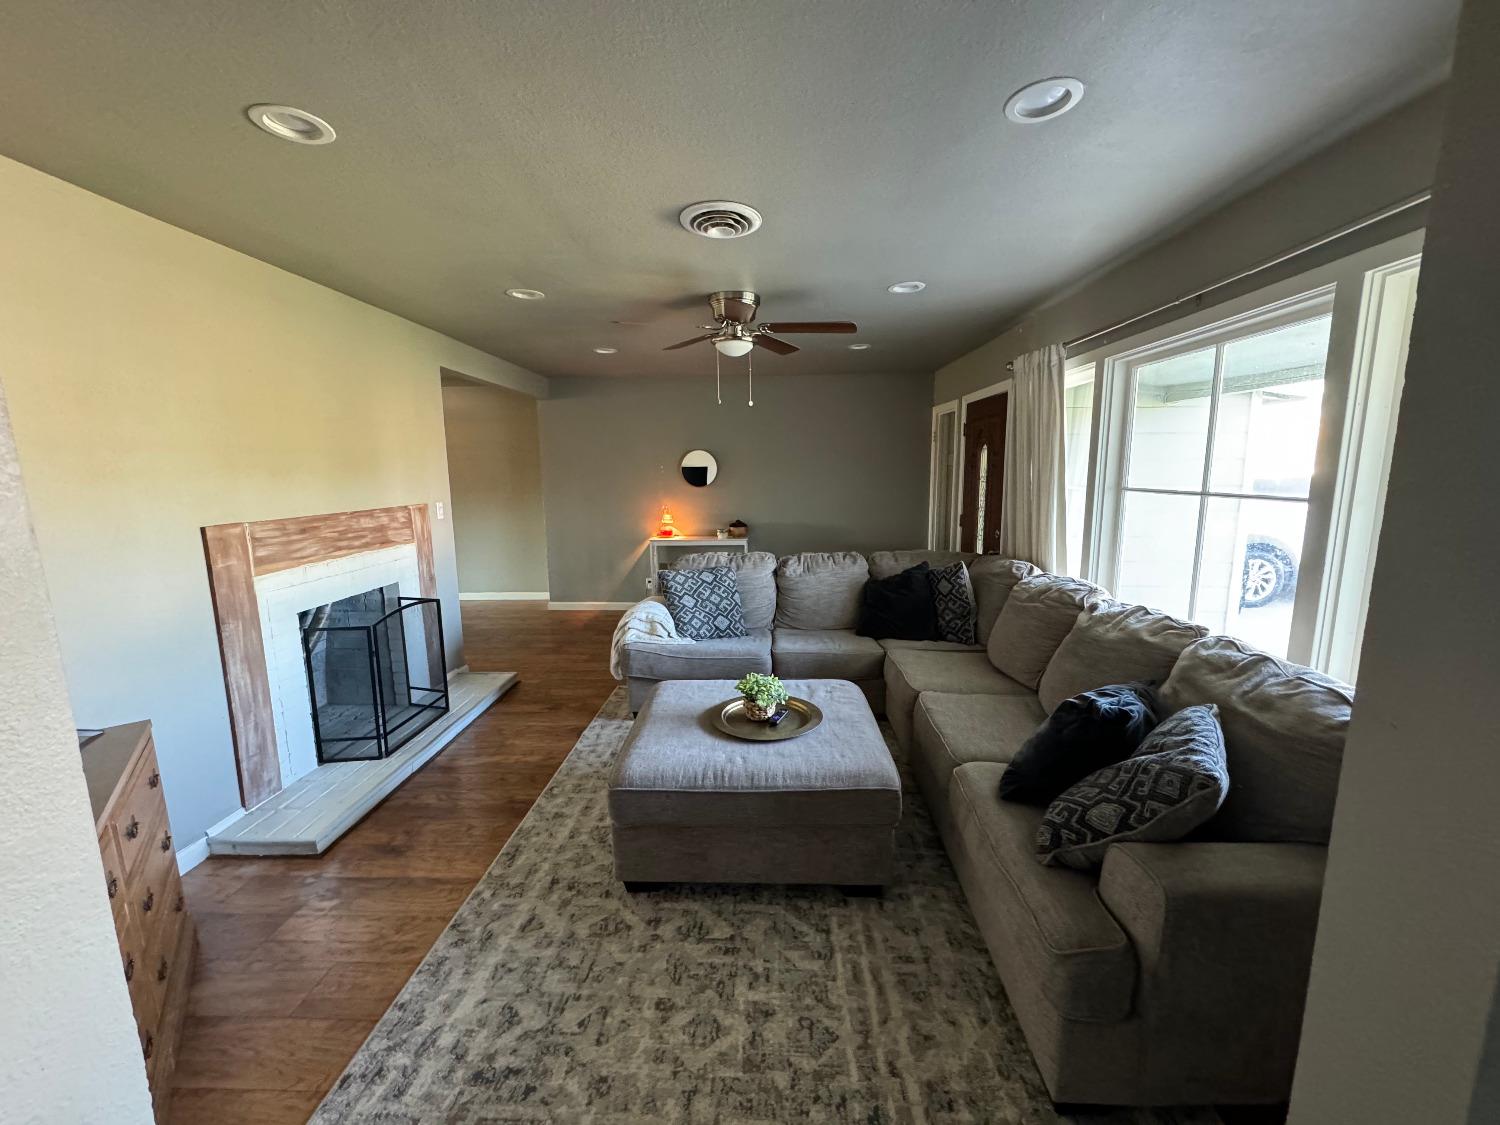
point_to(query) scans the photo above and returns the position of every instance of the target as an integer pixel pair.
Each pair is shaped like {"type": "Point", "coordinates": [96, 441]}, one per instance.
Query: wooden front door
{"type": "Point", "coordinates": [984, 474]}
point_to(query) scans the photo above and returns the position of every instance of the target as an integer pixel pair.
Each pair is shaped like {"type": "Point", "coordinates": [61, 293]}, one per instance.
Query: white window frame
{"type": "Point", "coordinates": [1345, 279]}
{"type": "Point", "coordinates": [944, 538]}
{"type": "Point", "coordinates": [1076, 372]}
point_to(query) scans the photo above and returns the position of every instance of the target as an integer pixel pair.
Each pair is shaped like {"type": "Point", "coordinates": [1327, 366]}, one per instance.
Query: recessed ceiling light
{"type": "Point", "coordinates": [907, 287]}
{"type": "Point", "coordinates": [1044, 100]}
{"type": "Point", "coordinates": [525, 294]}
{"type": "Point", "coordinates": [859, 347]}
{"type": "Point", "coordinates": [292, 124]}
{"type": "Point", "coordinates": [606, 351]}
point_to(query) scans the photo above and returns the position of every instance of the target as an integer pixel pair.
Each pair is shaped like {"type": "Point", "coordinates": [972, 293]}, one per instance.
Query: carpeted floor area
{"type": "Point", "coordinates": [554, 996]}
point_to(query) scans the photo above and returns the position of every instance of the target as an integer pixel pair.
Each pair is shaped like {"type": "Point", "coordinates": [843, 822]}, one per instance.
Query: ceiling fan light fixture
{"type": "Point", "coordinates": [906, 287]}
{"type": "Point", "coordinates": [292, 124]}
{"type": "Point", "coordinates": [1044, 100]}
{"type": "Point", "coordinates": [734, 346]}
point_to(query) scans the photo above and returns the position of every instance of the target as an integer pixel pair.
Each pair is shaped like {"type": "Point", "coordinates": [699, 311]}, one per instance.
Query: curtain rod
{"type": "Point", "coordinates": [1270, 263]}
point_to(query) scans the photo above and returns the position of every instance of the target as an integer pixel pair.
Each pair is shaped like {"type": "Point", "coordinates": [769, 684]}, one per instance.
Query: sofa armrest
{"type": "Point", "coordinates": [1224, 936]}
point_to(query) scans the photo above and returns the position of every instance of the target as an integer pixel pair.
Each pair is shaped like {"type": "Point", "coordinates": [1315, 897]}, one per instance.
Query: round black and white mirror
{"type": "Point", "coordinates": [699, 467]}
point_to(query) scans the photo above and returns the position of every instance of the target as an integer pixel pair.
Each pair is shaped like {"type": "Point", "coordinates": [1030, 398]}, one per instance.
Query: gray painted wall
{"type": "Point", "coordinates": [495, 476]}
{"type": "Point", "coordinates": [824, 462]}
{"type": "Point", "coordinates": [1388, 160]}
{"type": "Point", "coordinates": [1404, 973]}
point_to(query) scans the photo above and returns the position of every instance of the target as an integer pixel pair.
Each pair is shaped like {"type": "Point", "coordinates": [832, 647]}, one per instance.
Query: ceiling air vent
{"type": "Point", "coordinates": [719, 218]}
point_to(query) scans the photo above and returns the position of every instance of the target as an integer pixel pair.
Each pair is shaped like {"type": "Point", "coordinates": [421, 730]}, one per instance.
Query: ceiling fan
{"type": "Point", "coordinates": [732, 335]}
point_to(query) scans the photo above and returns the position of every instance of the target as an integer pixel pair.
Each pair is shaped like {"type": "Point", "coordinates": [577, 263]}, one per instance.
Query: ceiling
{"type": "Point", "coordinates": [487, 145]}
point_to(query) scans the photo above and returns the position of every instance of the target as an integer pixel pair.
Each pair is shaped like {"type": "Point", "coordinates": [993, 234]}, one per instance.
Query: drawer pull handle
{"type": "Point", "coordinates": [166, 841]}
{"type": "Point", "coordinates": [149, 901]}
{"type": "Point", "coordinates": [178, 905]}
{"type": "Point", "coordinates": [113, 884]}
{"type": "Point", "coordinates": [161, 970]}
{"type": "Point", "coordinates": [149, 1047]}
{"type": "Point", "coordinates": [154, 780]}
{"type": "Point", "coordinates": [133, 829]}
{"type": "Point", "coordinates": [129, 969]}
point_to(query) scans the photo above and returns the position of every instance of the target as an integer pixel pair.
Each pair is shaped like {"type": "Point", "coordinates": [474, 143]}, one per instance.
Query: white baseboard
{"type": "Point", "coordinates": [589, 605]}
{"type": "Point", "coordinates": [504, 596]}
{"type": "Point", "coordinates": [196, 852]}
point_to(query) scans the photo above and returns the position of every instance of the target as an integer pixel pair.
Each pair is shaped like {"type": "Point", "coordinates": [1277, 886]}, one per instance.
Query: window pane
{"type": "Point", "coordinates": [1247, 583]}
{"type": "Point", "coordinates": [984, 480]}
{"type": "Point", "coordinates": [1169, 425]}
{"type": "Point", "coordinates": [1157, 536]}
{"type": "Point", "coordinates": [1078, 418]}
{"type": "Point", "coordinates": [1267, 432]}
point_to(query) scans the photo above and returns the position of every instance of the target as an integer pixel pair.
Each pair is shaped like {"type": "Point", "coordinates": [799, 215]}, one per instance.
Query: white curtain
{"type": "Point", "coordinates": [1032, 519]}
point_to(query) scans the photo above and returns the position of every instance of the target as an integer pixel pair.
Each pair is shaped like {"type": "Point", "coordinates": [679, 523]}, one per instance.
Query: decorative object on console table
{"type": "Point", "coordinates": [157, 938]}
{"type": "Point", "coordinates": [658, 547]}
{"type": "Point", "coordinates": [739, 530]}
{"type": "Point", "coordinates": [668, 528]}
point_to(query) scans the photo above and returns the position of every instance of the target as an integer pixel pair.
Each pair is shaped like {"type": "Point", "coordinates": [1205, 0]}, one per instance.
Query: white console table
{"type": "Point", "coordinates": [692, 543]}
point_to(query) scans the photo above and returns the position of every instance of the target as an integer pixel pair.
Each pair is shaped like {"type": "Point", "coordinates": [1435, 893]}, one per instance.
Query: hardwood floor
{"type": "Point", "coordinates": [300, 956]}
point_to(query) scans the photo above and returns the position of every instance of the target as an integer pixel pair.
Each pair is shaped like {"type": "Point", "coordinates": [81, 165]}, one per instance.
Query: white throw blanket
{"type": "Point", "coordinates": [645, 622]}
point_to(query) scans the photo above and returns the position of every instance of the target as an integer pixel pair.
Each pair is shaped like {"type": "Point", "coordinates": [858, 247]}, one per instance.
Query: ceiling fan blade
{"type": "Point", "coordinates": [811, 326]}
{"type": "Point", "coordinates": [685, 343]}
{"type": "Point", "coordinates": [772, 344]}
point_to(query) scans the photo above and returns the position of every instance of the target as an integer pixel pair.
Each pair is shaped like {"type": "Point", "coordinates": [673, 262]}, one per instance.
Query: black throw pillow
{"type": "Point", "coordinates": [899, 607]}
{"type": "Point", "coordinates": [1086, 733]}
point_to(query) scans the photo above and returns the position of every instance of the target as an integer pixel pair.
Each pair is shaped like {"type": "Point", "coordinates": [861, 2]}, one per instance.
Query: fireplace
{"type": "Point", "coordinates": [370, 669]}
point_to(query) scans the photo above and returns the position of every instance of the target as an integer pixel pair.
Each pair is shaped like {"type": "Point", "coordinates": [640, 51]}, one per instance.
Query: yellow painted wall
{"type": "Point", "coordinates": [159, 382]}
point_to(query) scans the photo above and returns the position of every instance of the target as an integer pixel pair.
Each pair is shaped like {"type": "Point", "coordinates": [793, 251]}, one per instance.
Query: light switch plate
{"type": "Point", "coordinates": [439, 507]}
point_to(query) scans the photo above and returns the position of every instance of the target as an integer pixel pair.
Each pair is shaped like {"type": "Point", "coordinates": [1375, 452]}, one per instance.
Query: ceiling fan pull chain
{"type": "Point", "coordinates": [751, 358]}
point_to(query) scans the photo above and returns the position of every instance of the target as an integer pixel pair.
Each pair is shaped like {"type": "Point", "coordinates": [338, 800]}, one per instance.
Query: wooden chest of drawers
{"type": "Point", "coordinates": [157, 939]}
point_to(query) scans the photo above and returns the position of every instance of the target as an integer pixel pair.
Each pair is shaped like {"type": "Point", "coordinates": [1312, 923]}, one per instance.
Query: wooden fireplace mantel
{"type": "Point", "coordinates": [237, 554]}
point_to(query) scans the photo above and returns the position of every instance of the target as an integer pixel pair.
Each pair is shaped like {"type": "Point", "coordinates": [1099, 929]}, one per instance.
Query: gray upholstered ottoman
{"type": "Point", "coordinates": [689, 803]}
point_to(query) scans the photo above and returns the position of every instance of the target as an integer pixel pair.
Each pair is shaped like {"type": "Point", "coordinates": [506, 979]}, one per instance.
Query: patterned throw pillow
{"type": "Point", "coordinates": [705, 604]}
{"type": "Point", "coordinates": [1175, 782]}
{"type": "Point", "coordinates": [953, 598]}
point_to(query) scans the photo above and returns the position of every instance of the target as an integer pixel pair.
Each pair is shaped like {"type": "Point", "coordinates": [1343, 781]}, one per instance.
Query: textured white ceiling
{"type": "Point", "coordinates": [484, 145]}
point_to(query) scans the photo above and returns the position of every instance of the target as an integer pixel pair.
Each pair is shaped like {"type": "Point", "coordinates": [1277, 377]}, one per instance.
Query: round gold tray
{"type": "Point", "coordinates": [801, 717]}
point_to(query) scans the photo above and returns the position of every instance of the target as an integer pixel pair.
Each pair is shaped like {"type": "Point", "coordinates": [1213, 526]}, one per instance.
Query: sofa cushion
{"type": "Point", "coordinates": [953, 602]}
{"type": "Point", "coordinates": [883, 564]}
{"type": "Point", "coordinates": [896, 644]}
{"type": "Point", "coordinates": [1284, 728]}
{"type": "Point", "coordinates": [993, 578]}
{"type": "Point", "coordinates": [1114, 643]}
{"type": "Point", "coordinates": [727, 659]}
{"type": "Point", "coordinates": [754, 571]}
{"type": "Point", "coordinates": [899, 606]}
{"type": "Point", "coordinates": [1088, 732]}
{"type": "Point", "coordinates": [1039, 613]}
{"type": "Point", "coordinates": [1173, 784]}
{"type": "Point", "coordinates": [950, 730]}
{"type": "Point", "coordinates": [1050, 919]}
{"type": "Point", "coordinates": [825, 654]}
{"type": "Point", "coordinates": [819, 590]}
{"type": "Point", "coordinates": [909, 672]}
{"type": "Point", "coordinates": [705, 604]}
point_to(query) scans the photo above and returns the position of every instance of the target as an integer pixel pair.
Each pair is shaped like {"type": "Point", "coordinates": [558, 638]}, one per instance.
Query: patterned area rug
{"type": "Point", "coordinates": [554, 996]}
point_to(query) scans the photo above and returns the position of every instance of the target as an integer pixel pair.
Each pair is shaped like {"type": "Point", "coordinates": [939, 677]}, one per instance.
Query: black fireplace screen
{"type": "Point", "coordinates": [368, 657]}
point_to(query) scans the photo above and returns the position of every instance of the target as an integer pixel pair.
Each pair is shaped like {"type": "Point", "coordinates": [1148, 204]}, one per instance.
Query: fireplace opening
{"type": "Point", "coordinates": [368, 658]}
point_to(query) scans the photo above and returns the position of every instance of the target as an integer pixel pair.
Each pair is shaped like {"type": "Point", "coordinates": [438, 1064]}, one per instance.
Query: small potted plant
{"type": "Point", "coordinates": [763, 694]}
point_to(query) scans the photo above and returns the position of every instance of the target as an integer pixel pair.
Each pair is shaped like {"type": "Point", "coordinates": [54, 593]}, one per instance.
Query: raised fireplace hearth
{"type": "Point", "coordinates": [371, 682]}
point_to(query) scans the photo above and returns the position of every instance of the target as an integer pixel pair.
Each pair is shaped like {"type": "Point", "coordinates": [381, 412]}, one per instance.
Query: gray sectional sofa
{"type": "Point", "coordinates": [1175, 974]}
